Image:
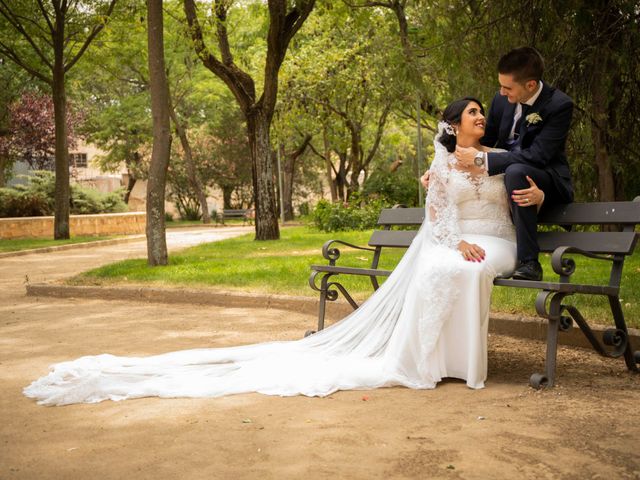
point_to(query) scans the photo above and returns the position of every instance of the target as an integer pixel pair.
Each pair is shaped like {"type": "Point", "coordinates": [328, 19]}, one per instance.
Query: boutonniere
{"type": "Point", "coordinates": [533, 118]}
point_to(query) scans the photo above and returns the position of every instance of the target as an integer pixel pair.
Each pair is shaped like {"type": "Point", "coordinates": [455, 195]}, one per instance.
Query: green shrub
{"type": "Point", "coordinates": [36, 198]}
{"type": "Point", "coordinates": [399, 187]}
{"type": "Point", "coordinates": [14, 203]}
{"type": "Point", "coordinates": [304, 209]}
{"type": "Point", "coordinates": [358, 214]}
{"type": "Point", "coordinates": [89, 201]}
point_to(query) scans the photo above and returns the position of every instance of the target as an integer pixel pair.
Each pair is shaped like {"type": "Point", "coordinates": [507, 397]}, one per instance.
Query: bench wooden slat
{"type": "Point", "coordinates": [401, 216]}
{"type": "Point", "coordinates": [392, 238]}
{"type": "Point", "coordinates": [558, 287]}
{"type": "Point", "coordinates": [592, 213]}
{"type": "Point", "coordinates": [351, 270]}
{"type": "Point", "coordinates": [621, 243]}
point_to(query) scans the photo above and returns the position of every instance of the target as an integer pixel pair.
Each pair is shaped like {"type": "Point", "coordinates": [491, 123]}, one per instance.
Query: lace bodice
{"type": "Point", "coordinates": [459, 203]}
{"type": "Point", "coordinates": [482, 205]}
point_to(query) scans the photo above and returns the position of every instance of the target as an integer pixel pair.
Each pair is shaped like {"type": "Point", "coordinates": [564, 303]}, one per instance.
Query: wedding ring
{"type": "Point", "coordinates": [526, 200]}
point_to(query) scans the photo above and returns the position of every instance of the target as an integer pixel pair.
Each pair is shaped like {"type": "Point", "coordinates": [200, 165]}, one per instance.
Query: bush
{"type": "Point", "coordinates": [399, 187]}
{"type": "Point", "coordinates": [304, 209]}
{"type": "Point", "coordinates": [355, 215]}
{"type": "Point", "coordinates": [14, 203]}
{"type": "Point", "coordinates": [36, 198]}
{"type": "Point", "coordinates": [87, 201]}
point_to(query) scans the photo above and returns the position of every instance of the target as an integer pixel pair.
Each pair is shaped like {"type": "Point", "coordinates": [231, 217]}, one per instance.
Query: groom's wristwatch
{"type": "Point", "coordinates": [479, 159]}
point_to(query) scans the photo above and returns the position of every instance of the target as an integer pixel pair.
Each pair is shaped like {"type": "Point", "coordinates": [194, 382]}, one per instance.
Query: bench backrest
{"type": "Point", "coordinates": [390, 217]}
{"type": "Point", "coordinates": [626, 214]}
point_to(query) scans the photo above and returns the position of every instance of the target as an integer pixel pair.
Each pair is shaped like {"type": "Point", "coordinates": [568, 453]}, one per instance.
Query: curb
{"type": "Point", "coordinates": [70, 246]}
{"type": "Point", "coordinates": [532, 328]}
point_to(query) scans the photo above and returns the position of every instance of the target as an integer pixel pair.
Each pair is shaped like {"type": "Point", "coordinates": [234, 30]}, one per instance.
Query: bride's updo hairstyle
{"type": "Point", "coordinates": [451, 118]}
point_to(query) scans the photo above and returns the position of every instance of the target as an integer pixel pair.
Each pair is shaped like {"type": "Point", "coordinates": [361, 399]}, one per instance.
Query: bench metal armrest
{"type": "Point", "coordinates": [566, 266]}
{"type": "Point", "coordinates": [332, 254]}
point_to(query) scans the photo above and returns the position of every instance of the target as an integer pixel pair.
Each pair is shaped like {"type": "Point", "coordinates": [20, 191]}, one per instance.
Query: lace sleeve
{"type": "Point", "coordinates": [441, 208]}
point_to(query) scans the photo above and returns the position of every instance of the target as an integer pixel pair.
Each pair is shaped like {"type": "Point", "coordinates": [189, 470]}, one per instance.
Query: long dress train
{"type": "Point", "coordinates": [427, 321]}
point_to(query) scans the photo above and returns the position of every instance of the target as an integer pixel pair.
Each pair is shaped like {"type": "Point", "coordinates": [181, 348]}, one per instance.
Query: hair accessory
{"type": "Point", "coordinates": [446, 127]}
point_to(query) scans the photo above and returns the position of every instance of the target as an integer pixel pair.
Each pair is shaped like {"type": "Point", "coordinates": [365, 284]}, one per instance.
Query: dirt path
{"type": "Point", "coordinates": [587, 427]}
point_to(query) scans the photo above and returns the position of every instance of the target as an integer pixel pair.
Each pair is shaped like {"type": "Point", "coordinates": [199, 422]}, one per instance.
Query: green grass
{"type": "Point", "coordinates": [31, 243]}
{"type": "Point", "coordinates": [283, 267]}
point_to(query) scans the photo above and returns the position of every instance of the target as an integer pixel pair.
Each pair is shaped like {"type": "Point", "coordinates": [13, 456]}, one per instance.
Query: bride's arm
{"type": "Point", "coordinates": [443, 216]}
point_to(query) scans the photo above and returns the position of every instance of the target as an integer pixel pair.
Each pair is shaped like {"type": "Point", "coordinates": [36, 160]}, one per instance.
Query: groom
{"type": "Point", "coordinates": [530, 119]}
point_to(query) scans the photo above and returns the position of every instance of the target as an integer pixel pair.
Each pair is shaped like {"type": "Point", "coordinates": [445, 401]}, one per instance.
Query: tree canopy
{"type": "Point", "coordinates": [334, 88]}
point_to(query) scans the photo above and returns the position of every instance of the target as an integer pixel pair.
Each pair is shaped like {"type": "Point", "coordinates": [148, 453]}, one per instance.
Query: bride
{"type": "Point", "coordinates": [427, 321]}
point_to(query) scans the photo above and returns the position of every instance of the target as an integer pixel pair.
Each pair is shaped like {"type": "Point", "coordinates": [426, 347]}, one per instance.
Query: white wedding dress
{"type": "Point", "coordinates": [427, 321]}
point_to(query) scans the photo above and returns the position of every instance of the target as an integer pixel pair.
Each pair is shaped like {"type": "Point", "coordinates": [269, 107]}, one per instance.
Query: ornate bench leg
{"type": "Point", "coordinates": [328, 292]}
{"type": "Point", "coordinates": [630, 358]}
{"type": "Point", "coordinates": [554, 319]}
{"type": "Point", "coordinates": [323, 301]}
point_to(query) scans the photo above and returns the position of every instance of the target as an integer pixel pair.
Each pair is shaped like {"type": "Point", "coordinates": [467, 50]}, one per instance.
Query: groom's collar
{"type": "Point", "coordinates": [535, 96]}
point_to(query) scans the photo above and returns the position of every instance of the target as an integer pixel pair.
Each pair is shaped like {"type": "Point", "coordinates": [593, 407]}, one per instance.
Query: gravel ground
{"type": "Point", "coordinates": [586, 427]}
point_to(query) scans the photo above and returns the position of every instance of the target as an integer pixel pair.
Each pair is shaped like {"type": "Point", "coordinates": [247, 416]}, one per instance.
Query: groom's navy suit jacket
{"type": "Point", "coordinates": [541, 144]}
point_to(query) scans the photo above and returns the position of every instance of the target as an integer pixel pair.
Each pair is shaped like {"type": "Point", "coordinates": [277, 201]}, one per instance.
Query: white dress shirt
{"type": "Point", "coordinates": [518, 112]}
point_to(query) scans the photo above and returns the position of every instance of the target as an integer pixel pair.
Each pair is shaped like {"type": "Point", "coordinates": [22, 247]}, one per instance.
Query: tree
{"type": "Point", "coordinates": [223, 153]}
{"type": "Point", "coordinates": [598, 74]}
{"type": "Point", "coordinates": [47, 41]}
{"type": "Point", "coordinates": [353, 82]}
{"type": "Point", "coordinates": [159, 89]}
{"type": "Point", "coordinates": [112, 85]}
{"type": "Point", "coordinates": [289, 164]}
{"type": "Point", "coordinates": [15, 82]}
{"type": "Point", "coordinates": [31, 131]}
{"type": "Point", "coordinates": [284, 23]}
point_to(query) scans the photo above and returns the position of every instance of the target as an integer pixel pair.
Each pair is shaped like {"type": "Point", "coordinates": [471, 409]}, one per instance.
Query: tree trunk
{"type": "Point", "coordinates": [227, 191]}
{"type": "Point", "coordinates": [3, 166]}
{"type": "Point", "coordinates": [262, 169]}
{"type": "Point", "coordinates": [289, 170]}
{"type": "Point", "coordinates": [327, 159]}
{"type": "Point", "coordinates": [287, 187]}
{"type": "Point", "coordinates": [62, 193]}
{"type": "Point", "coordinates": [341, 178]}
{"type": "Point", "coordinates": [159, 90]}
{"type": "Point", "coordinates": [356, 160]}
{"type": "Point", "coordinates": [599, 133]}
{"type": "Point", "coordinates": [192, 173]}
{"type": "Point", "coordinates": [132, 176]}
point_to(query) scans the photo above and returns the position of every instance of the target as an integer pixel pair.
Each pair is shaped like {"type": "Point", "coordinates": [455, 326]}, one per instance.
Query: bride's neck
{"type": "Point", "coordinates": [466, 141]}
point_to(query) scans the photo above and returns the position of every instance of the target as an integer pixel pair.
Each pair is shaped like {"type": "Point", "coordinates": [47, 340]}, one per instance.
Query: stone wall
{"type": "Point", "coordinates": [80, 225]}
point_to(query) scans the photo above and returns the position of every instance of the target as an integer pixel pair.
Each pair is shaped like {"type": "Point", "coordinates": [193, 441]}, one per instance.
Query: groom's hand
{"type": "Point", "coordinates": [466, 155]}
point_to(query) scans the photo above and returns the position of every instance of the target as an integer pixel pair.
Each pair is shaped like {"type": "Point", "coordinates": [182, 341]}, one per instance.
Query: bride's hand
{"type": "Point", "coordinates": [471, 252]}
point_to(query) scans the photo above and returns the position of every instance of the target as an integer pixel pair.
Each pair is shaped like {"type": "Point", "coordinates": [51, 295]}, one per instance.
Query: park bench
{"type": "Point", "coordinates": [561, 238]}
{"type": "Point", "coordinates": [244, 213]}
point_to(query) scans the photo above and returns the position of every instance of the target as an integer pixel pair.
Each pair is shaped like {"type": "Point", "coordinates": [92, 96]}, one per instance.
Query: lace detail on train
{"type": "Point", "coordinates": [427, 321]}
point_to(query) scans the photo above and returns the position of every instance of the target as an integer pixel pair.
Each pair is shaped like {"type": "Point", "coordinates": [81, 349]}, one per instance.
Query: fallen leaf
{"type": "Point", "coordinates": [247, 420]}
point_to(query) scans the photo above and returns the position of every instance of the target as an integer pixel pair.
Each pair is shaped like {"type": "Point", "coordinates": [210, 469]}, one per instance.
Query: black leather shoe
{"type": "Point", "coordinates": [530, 270]}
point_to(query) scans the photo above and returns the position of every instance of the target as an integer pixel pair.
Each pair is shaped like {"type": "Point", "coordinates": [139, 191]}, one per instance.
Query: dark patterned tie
{"type": "Point", "coordinates": [525, 111]}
